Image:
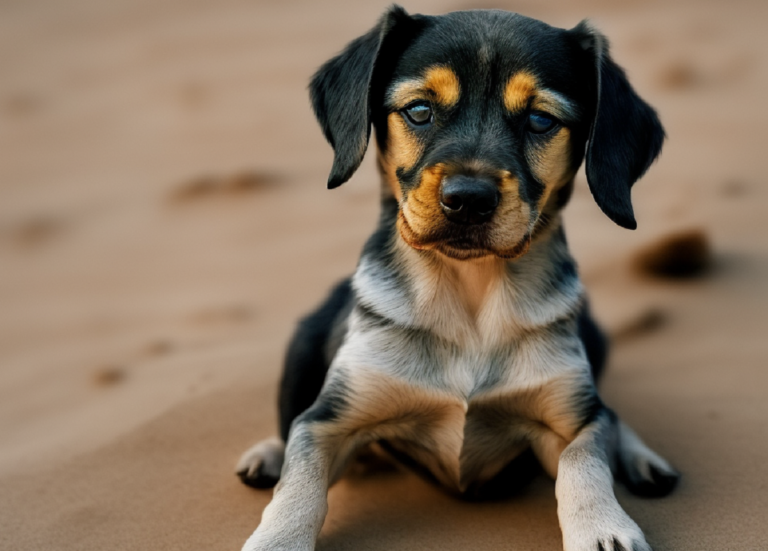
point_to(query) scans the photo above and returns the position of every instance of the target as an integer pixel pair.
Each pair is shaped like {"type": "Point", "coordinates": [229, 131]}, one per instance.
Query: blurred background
{"type": "Point", "coordinates": [164, 222]}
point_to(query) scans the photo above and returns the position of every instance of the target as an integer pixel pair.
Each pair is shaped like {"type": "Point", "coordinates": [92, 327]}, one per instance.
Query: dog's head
{"type": "Point", "coordinates": [482, 119]}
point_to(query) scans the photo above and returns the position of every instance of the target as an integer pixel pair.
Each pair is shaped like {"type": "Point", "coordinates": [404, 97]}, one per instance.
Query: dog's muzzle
{"type": "Point", "coordinates": [468, 200]}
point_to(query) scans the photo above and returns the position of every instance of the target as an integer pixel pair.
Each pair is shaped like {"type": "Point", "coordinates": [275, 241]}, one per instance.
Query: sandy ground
{"type": "Point", "coordinates": [164, 222]}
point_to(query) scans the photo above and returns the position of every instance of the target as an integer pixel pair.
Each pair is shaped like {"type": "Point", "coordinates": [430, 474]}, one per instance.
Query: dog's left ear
{"type": "Point", "coordinates": [626, 135]}
{"type": "Point", "coordinates": [341, 90]}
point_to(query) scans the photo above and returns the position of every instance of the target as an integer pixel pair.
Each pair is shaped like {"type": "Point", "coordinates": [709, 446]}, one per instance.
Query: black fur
{"type": "Point", "coordinates": [330, 405]}
{"type": "Point", "coordinates": [511, 480]}
{"type": "Point", "coordinates": [661, 485]}
{"type": "Point", "coordinates": [595, 342]}
{"type": "Point", "coordinates": [341, 90]}
{"type": "Point", "coordinates": [588, 405]}
{"type": "Point", "coordinates": [259, 480]}
{"type": "Point", "coordinates": [306, 362]}
{"type": "Point", "coordinates": [626, 135]}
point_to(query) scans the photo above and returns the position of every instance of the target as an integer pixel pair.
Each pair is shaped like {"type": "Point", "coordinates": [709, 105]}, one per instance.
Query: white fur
{"type": "Point", "coordinates": [586, 505]}
{"type": "Point", "coordinates": [266, 456]}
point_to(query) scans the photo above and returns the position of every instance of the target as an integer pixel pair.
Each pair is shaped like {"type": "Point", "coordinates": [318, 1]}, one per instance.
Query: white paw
{"type": "Point", "coordinates": [596, 532]}
{"type": "Point", "coordinates": [263, 541]}
{"type": "Point", "coordinates": [260, 465]}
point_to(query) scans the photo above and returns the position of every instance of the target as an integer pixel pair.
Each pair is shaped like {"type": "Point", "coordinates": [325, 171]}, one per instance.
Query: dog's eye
{"type": "Point", "coordinates": [418, 113]}
{"type": "Point", "coordinates": [539, 122]}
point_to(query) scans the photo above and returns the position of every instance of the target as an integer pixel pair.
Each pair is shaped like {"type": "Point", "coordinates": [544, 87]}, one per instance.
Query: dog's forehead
{"type": "Point", "coordinates": [485, 47]}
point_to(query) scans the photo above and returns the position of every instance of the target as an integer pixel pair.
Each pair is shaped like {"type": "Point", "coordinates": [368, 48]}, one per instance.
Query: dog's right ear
{"type": "Point", "coordinates": [341, 94]}
{"type": "Point", "coordinates": [626, 135]}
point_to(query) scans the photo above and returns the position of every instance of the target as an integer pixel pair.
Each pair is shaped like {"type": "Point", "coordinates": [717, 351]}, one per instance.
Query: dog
{"type": "Point", "coordinates": [463, 344]}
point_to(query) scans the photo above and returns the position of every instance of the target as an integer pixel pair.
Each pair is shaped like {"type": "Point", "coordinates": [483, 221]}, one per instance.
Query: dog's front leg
{"type": "Point", "coordinates": [590, 517]}
{"type": "Point", "coordinates": [316, 452]}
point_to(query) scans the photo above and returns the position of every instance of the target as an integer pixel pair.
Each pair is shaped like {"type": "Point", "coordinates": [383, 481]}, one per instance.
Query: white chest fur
{"type": "Point", "coordinates": [473, 303]}
{"type": "Point", "coordinates": [460, 412]}
{"type": "Point", "coordinates": [463, 364]}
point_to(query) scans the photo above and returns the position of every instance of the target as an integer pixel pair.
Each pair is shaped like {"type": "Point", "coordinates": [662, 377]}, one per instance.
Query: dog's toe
{"type": "Point", "coordinates": [260, 466]}
{"type": "Point", "coordinates": [615, 545]}
{"type": "Point", "coordinates": [591, 535]}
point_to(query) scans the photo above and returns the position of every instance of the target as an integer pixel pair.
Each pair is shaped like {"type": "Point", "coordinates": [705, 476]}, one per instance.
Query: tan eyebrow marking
{"type": "Point", "coordinates": [555, 104]}
{"type": "Point", "coordinates": [520, 87]}
{"type": "Point", "coordinates": [439, 84]}
{"type": "Point", "coordinates": [523, 88]}
{"type": "Point", "coordinates": [444, 83]}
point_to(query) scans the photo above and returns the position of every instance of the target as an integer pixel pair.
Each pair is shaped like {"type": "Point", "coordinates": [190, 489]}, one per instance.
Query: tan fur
{"type": "Point", "coordinates": [551, 166]}
{"type": "Point", "coordinates": [444, 84]}
{"type": "Point", "coordinates": [512, 223]}
{"type": "Point", "coordinates": [474, 279]}
{"type": "Point", "coordinates": [551, 102]}
{"type": "Point", "coordinates": [439, 84]}
{"type": "Point", "coordinates": [404, 148]}
{"type": "Point", "coordinates": [403, 151]}
{"type": "Point", "coordinates": [421, 218]}
{"type": "Point", "coordinates": [406, 91]}
{"type": "Point", "coordinates": [523, 89]}
{"type": "Point", "coordinates": [421, 214]}
{"type": "Point", "coordinates": [390, 185]}
{"type": "Point", "coordinates": [519, 89]}
{"type": "Point", "coordinates": [391, 409]}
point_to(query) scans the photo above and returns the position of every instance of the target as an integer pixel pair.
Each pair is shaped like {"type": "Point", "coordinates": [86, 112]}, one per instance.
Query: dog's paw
{"type": "Point", "coordinates": [642, 470]}
{"type": "Point", "coordinates": [649, 477]}
{"type": "Point", "coordinates": [268, 540]}
{"type": "Point", "coordinates": [260, 466]}
{"type": "Point", "coordinates": [595, 534]}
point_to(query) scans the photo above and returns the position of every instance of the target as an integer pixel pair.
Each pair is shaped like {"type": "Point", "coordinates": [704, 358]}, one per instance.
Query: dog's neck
{"type": "Point", "coordinates": [472, 280]}
{"type": "Point", "coordinates": [479, 294]}
{"type": "Point", "coordinates": [486, 301]}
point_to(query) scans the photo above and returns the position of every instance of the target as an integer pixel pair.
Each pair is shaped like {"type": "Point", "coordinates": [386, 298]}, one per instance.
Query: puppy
{"type": "Point", "coordinates": [463, 342]}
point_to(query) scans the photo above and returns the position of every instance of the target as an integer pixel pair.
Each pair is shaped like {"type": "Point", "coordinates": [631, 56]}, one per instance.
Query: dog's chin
{"type": "Point", "coordinates": [461, 253]}
{"type": "Point", "coordinates": [470, 252]}
{"type": "Point", "coordinates": [464, 245]}
{"type": "Point", "coordinates": [467, 250]}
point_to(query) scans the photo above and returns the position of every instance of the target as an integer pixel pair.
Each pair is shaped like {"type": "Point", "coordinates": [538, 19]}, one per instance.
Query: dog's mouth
{"type": "Point", "coordinates": [462, 243]}
{"type": "Point", "coordinates": [468, 253]}
{"type": "Point", "coordinates": [460, 250]}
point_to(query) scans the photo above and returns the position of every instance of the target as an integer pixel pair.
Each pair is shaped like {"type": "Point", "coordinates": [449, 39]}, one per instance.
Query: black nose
{"type": "Point", "coordinates": [468, 200]}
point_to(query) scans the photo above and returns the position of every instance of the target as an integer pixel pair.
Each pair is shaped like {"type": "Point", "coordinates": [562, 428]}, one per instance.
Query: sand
{"type": "Point", "coordinates": [164, 222]}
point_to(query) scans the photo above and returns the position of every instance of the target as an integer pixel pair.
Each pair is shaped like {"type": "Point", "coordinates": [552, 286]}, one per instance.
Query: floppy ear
{"type": "Point", "coordinates": [340, 92]}
{"type": "Point", "coordinates": [626, 135]}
